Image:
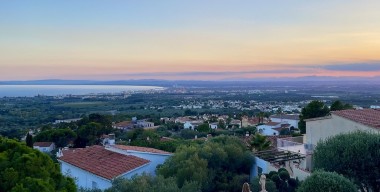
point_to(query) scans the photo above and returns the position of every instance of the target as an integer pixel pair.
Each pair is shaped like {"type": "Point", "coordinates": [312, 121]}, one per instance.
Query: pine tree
{"type": "Point", "coordinates": [29, 140]}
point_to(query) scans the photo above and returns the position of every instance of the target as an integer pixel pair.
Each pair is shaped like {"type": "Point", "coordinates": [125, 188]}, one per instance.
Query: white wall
{"type": "Point", "coordinates": [83, 178]}
{"type": "Point", "coordinates": [267, 130]}
{"type": "Point", "coordinates": [45, 149]}
{"type": "Point", "coordinates": [321, 129]}
{"type": "Point", "coordinates": [86, 179]}
{"type": "Point", "coordinates": [188, 125]}
{"type": "Point", "coordinates": [213, 126]}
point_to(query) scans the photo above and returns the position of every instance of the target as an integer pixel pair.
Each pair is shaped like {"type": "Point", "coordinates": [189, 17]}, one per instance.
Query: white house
{"type": "Point", "coordinates": [45, 147]}
{"type": "Point", "coordinates": [96, 167]}
{"type": "Point", "coordinates": [343, 121]}
{"type": "Point", "coordinates": [191, 124]}
{"type": "Point", "coordinates": [145, 124]}
{"type": "Point", "coordinates": [67, 120]}
{"type": "Point", "coordinates": [271, 128]}
{"type": "Point", "coordinates": [213, 125]}
{"type": "Point", "coordinates": [291, 119]}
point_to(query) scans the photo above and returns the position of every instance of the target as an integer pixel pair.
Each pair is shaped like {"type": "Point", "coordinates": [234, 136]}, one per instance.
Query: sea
{"type": "Point", "coordinates": [57, 90]}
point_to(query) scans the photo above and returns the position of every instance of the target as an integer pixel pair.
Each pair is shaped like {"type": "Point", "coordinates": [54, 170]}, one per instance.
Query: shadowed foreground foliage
{"type": "Point", "coordinates": [321, 181]}
{"type": "Point", "coordinates": [220, 164]}
{"type": "Point", "coordinates": [355, 155]}
{"type": "Point", "coordinates": [23, 169]}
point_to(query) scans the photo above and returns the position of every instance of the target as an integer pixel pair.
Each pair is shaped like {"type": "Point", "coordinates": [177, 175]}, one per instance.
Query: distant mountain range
{"type": "Point", "coordinates": [167, 83]}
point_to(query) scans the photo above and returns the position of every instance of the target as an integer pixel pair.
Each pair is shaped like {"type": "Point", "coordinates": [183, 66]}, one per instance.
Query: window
{"type": "Point", "coordinates": [94, 185]}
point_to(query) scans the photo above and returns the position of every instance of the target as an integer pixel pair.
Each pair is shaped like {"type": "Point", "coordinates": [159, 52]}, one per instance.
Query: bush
{"type": "Point", "coordinates": [321, 181]}
{"type": "Point", "coordinates": [359, 158]}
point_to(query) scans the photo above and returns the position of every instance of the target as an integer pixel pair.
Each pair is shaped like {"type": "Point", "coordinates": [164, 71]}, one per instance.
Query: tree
{"type": "Point", "coordinates": [312, 110]}
{"type": "Point", "coordinates": [259, 142]}
{"type": "Point", "coordinates": [283, 181]}
{"type": "Point", "coordinates": [28, 170]}
{"type": "Point", "coordinates": [359, 158]}
{"type": "Point", "coordinates": [29, 140]}
{"type": "Point", "coordinates": [321, 181]}
{"type": "Point", "coordinates": [221, 164]}
{"type": "Point", "coordinates": [338, 105]}
{"type": "Point", "coordinates": [61, 137]}
{"type": "Point", "coordinates": [221, 124]}
{"type": "Point", "coordinates": [205, 128]}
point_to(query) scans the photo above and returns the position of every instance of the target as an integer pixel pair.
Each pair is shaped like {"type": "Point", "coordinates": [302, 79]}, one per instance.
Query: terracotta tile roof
{"type": "Point", "coordinates": [140, 149]}
{"type": "Point", "coordinates": [272, 123]}
{"type": "Point", "coordinates": [42, 144]}
{"type": "Point", "coordinates": [369, 117]}
{"type": "Point", "coordinates": [102, 162]}
{"type": "Point", "coordinates": [124, 124]}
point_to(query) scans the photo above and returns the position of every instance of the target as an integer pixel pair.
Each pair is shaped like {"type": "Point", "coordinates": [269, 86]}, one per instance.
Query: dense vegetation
{"type": "Point", "coordinates": [221, 164]}
{"type": "Point", "coordinates": [23, 169]}
{"type": "Point", "coordinates": [355, 155]}
{"type": "Point", "coordinates": [338, 105]}
{"type": "Point", "coordinates": [321, 181]}
{"type": "Point", "coordinates": [312, 110]}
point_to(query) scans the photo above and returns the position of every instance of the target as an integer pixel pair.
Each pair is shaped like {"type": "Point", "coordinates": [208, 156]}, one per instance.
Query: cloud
{"type": "Point", "coordinates": [216, 73]}
{"type": "Point", "coordinates": [357, 67]}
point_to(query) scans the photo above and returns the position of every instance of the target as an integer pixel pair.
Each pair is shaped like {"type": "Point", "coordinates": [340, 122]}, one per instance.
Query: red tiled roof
{"type": "Point", "coordinates": [272, 123]}
{"type": "Point", "coordinates": [102, 162]}
{"type": "Point", "coordinates": [124, 124]}
{"type": "Point", "coordinates": [42, 144]}
{"type": "Point", "coordinates": [369, 117]}
{"type": "Point", "coordinates": [141, 149]}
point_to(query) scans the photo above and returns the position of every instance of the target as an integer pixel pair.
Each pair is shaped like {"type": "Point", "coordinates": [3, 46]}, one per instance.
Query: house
{"type": "Point", "coordinates": [249, 122]}
{"type": "Point", "coordinates": [213, 125]}
{"type": "Point", "coordinates": [291, 119]}
{"type": "Point", "coordinates": [271, 128]}
{"type": "Point", "coordinates": [155, 156]}
{"type": "Point", "coordinates": [144, 124]}
{"type": "Point", "coordinates": [289, 153]}
{"type": "Point", "coordinates": [96, 167]}
{"type": "Point", "coordinates": [235, 123]}
{"type": "Point", "coordinates": [191, 124]}
{"type": "Point", "coordinates": [45, 147]}
{"type": "Point", "coordinates": [183, 120]}
{"type": "Point", "coordinates": [343, 121]}
{"type": "Point", "coordinates": [123, 125]}
{"type": "Point", "coordinates": [67, 120]}
{"type": "Point", "coordinates": [296, 153]}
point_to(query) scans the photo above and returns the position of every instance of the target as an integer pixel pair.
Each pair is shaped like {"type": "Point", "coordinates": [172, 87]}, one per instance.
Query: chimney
{"type": "Point", "coordinates": [111, 139]}
{"type": "Point", "coordinates": [59, 153]}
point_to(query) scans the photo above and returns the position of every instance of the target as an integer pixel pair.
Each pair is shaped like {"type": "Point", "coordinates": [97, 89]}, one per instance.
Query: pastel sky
{"type": "Point", "coordinates": [195, 39]}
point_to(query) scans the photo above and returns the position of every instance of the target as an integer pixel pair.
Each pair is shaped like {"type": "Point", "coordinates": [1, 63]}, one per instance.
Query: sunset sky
{"type": "Point", "coordinates": [195, 39]}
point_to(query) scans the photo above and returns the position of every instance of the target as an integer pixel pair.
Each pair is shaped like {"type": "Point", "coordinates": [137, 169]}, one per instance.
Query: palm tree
{"type": "Point", "coordinates": [259, 142]}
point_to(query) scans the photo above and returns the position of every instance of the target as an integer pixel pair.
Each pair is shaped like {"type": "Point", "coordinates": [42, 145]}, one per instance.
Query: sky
{"type": "Point", "coordinates": [189, 40]}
